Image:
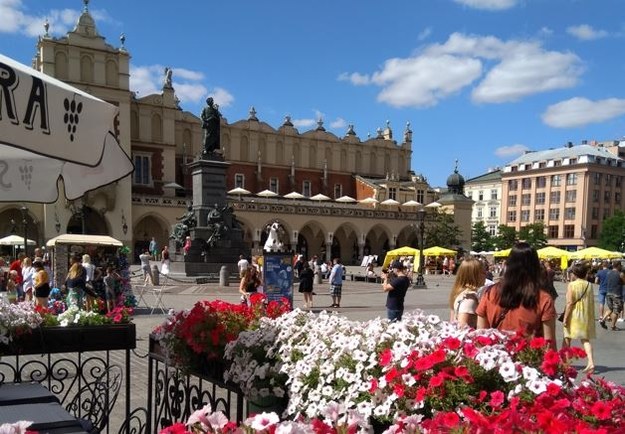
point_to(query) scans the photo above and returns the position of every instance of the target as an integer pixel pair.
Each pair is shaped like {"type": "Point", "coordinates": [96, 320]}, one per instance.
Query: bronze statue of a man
{"type": "Point", "coordinates": [211, 122]}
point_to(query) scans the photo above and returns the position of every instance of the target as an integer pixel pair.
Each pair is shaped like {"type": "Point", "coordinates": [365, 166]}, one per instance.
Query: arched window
{"type": "Point", "coordinates": [343, 160]}
{"type": "Point", "coordinates": [312, 157]}
{"type": "Point", "coordinates": [262, 147]}
{"type": "Point", "coordinates": [112, 77]}
{"type": "Point", "coordinates": [245, 149]}
{"type": "Point", "coordinates": [372, 165]}
{"type": "Point", "coordinates": [280, 152]}
{"type": "Point", "coordinates": [60, 64]}
{"type": "Point", "coordinates": [157, 128]}
{"type": "Point", "coordinates": [86, 69]}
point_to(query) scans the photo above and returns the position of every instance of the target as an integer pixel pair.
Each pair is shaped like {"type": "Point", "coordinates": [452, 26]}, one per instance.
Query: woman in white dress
{"type": "Point", "coordinates": [463, 299]}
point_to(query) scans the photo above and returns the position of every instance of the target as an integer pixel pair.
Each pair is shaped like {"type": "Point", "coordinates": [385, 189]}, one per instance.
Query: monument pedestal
{"type": "Point", "coordinates": [209, 252]}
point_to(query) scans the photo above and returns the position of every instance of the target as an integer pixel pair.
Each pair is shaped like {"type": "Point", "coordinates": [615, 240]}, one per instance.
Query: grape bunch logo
{"type": "Point", "coordinates": [72, 110]}
{"type": "Point", "coordinates": [26, 174]}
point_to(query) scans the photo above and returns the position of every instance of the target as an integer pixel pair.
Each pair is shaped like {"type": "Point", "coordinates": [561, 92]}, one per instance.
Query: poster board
{"type": "Point", "coordinates": [278, 276]}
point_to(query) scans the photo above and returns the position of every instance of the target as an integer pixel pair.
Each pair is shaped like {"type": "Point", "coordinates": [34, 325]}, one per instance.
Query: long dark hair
{"type": "Point", "coordinates": [523, 278]}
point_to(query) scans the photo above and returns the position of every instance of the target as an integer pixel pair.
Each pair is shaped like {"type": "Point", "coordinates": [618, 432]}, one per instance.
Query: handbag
{"type": "Point", "coordinates": [561, 316]}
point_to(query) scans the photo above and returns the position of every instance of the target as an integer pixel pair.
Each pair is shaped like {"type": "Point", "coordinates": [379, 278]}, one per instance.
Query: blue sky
{"type": "Point", "coordinates": [479, 80]}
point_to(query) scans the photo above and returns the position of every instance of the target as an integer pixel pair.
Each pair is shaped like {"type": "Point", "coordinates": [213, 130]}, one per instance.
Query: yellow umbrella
{"type": "Point", "coordinates": [438, 251]}
{"type": "Point", "coordinates": [502, 253]}
{"type": "Point", "coordinates": [551, 252]}
{"type": "Point", "coordinates": [594, 253]}
{"type": "Point", "coordinates": [401, 251]}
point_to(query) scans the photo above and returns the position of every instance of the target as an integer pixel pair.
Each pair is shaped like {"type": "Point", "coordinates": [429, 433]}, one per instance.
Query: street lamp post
{"type": "Point", "coordinates": [24, 211]}
{"type": "Point", "coordinates": [420, 281]}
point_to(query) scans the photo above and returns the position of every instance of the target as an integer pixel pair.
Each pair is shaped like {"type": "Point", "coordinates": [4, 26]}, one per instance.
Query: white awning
{"type": "Point", "coordinates": [95, 240]}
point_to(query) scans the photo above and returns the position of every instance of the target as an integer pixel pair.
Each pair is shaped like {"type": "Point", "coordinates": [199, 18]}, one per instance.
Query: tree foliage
{"type": "Point", "coordinates": [481, 239]}
{"type": "Point", "coordinates": [442, 231]}
{"type": "Point", "coordinates": [612, 234]}
{"type": "Point", "coordinates": [506, 237]}
{"type": "Point", "coordinates": [534, 235]}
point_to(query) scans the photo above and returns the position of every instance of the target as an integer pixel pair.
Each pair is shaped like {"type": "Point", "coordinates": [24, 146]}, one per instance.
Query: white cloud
{"type": "Point", "coordinates": [578, 112]}
{"type": "Point", "coordinates": [525, 70]}
{"type": "Point", "coordinates": [585, 32]}
{"type": "Point", "coordinates": [519, 69]}
{"type": "Point", "coordinates": [511, 151]}
{"type": "Point", "coordinates": [490, 5]}
{"type": "Point", "coordinates": [338, 123]}
{"type": "Point", "coordinates": [424, 33]}
{"type": "Point", "coordinates": [355, 78]}
{"type": "Point", "coordinates": [303, 123]}
{"type": "Point", "coordinates": [15, 19]}
{"type": "Point", "coordinates": [221, 97]}
{"type": "Point", "coordinates": [545, 31]}
{"type": "Point", "coordinates": [147, 80]}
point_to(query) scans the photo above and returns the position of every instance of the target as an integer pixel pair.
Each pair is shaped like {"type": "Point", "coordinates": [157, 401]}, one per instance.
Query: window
{"type": "Point", "coordinates": [274, 185]}
{"type": "Point", "coordinates": [492, 230]}
{"type": "Point", "coordinates": [526, 183]}
{"type": "Point", "coordinates": [511, 216]}
{"type": "Point", "coordinates": [617, 197]}
{"type": "Point", "coordinates": [511, 200]}
{"type": "Point", "coordinates": [525, 215]}
{"type": "Point", "coordinates": [595, 196]}
{"type": "Point", "coordinates": [239, 180]}
{"type": "Point", "coordinates": [595, 213]}
{"type": "Point", "coordinates": [542, 165]}
{"type": "Point", "coordinates": [553, 231]}
{"type": "Point", "coordinates": [541, 182]}
{"type": "Point", "coordinates": [479, 213]}
{"type": "Point", "coordinates": [569, 231]}
{"type": "Point", "coordinates": [540, 198]}
{"type": "Point", "coordinates": [554, 197]}
{"type": "Point", "coordinates": [526, 199]}
{"type": "Point", "coordinates": [480, 195]}
{"type": "Point", "coordinates": [306, 188]}
{"type": "Point", "coordinates": [597, 178]}
{"type": "Point", "coordinates": [143, 173]}
{"type": "Point", "coordinates": [392, 193]}
{"type": "Point", "coordinates": [513, 185]}
{"type": "Point", "coordinates": [608, 180]}
{"type": "Point", "coordinates": [618, 181]}
{"type": "Point", "coordinates": [493, 212]}
{"type": "Point", "coordinates": [539, 214]}
{"type": "Point", "coordinates": [569, 213]}
{"type": "Point", "coordinates": [571, 178]}
{"type": "Point", "coordinates": [420, 196]}
{"type": "Point", "coordinates": [554, 213]}
{"type": "Point", "coordinates": [338, 191]}
{"type": "Point", "coordinates": [557, 163]}
{"type": "Point", "coordinates": [573, 161]}
{"type": "Point", "coordinates": [606, 196]}
{"type": "Point", "coordinates": [493, 195]}
{"type": "Point", "coordinates": [594, 231]}
{"type": "Point", "coordinates": [555, 180]}
{"type": "Point", "coordinates": [570, 196]}
{"type": "Point", "coordinates": [606, 214]}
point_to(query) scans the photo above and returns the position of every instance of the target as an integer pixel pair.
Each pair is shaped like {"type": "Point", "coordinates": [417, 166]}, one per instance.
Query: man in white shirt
{"type": "Point", "coordinates": [242, 265]}
{"type": "Point", "coordinates": [144, 258]}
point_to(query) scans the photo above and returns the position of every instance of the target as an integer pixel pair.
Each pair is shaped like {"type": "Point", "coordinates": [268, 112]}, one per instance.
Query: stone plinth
{"type": "Point", "coordinates": [209, 186]}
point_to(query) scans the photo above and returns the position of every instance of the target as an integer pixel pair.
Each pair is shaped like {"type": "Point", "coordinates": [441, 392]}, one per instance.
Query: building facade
{"type": "Point", "coordinates": [163, 139]}
{"type": "Point", "coordinates": [570, 189]}
{"type": "Point", "coordinates": [485, 190]}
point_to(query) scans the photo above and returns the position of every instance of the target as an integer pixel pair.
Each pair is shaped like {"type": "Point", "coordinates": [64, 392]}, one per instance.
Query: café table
{"type": "Point", "coordinates": [33, 402]}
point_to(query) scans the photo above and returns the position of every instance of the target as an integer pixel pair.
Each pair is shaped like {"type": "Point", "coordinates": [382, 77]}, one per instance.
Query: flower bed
{"type": "Point", "coordinates": [196, 338]}
{"type": "Point", "coordinates": [418, 375]}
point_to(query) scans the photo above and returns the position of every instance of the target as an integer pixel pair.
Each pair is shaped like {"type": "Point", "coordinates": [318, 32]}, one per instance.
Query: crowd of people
{"type": "Point", "coordinates": [88, 285]}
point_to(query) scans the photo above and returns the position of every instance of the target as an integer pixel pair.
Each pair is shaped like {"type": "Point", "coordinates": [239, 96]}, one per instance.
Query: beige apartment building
{"type": "Point", "coordinates": [571, 189]}
{"type": "Point", "coordinates": [162, 139]}
{"type": "Point", "coordinates": [485, 190]}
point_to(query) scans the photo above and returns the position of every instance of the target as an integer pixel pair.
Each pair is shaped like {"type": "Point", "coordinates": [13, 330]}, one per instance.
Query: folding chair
{"type": "Point", "coordinates": [158, 292]}
{"type": "Point", "coordinates": [143, 292]}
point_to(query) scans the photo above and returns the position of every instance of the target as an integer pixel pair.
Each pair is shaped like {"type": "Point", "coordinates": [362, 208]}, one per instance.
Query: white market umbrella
{"type": "Point", "coordinates": [15, 240]}
{"type": "Point", "coordinates": [369, 201]}
{"type": "Point", "coordinates": [433, 205]}
{"type": "Point", "coordinates": [319, 197]}
{"type": "Point", "coordinates": [346, 199]}
{"type": "Point", "coordinates": [294, 195]}
{"type": "Point", "coordinates": [389, 202]}
{"type": "Point", "coordinates": [50, 130]}
{"type": "Point", "coordinates": [411, 203]}
{"type": "Point", "coordinates": [240, 191]}
{"type": "Point", "coordinates": [267, 193]}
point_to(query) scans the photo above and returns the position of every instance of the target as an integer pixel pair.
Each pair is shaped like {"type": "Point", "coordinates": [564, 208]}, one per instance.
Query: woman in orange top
{"type": "Point", "coordinates": [519, 301]}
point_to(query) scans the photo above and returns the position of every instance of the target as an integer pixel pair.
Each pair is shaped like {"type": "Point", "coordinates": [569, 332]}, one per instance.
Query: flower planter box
{"type": "Point", "coordinates": [74, 339]}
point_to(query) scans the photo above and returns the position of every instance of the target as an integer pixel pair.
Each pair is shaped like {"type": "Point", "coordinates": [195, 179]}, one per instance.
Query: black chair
{"type": "Point", "coordinates": [94, 402]}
